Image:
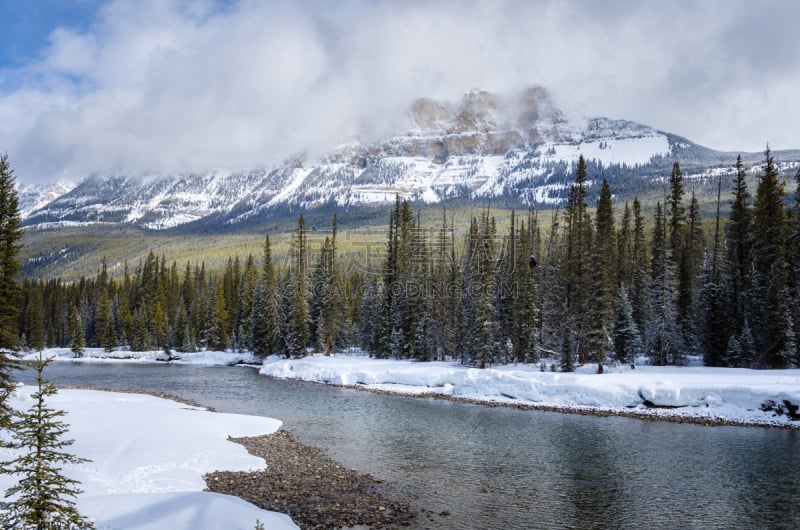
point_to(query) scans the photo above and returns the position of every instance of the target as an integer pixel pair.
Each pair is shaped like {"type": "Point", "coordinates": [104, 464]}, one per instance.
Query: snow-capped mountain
{"type": "Point", "coordinates": [520, 149]}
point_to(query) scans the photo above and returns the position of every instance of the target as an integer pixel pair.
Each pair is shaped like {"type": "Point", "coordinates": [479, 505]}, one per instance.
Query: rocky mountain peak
{"type": "Point", "coordinates": [478, 113]}
{"type": "Point", "coordinates": [430, 115]}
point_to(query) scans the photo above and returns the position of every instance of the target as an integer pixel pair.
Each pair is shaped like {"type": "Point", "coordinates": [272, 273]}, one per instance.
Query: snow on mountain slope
{"type": "Point", "coordinates": [521, 148]}
{"type": "Point", "coordinates": [32, 197]}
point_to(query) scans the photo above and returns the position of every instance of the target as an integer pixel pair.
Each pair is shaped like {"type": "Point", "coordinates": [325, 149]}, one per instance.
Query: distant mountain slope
{"type": "Point", "coordinates": [519, 150]}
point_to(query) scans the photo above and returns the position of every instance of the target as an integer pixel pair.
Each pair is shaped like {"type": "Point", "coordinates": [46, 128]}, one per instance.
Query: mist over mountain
{"type": "Point", "coordinates": [516, 150]}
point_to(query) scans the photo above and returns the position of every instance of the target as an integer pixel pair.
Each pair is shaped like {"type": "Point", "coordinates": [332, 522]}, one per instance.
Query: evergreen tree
{"type": "Point", "coordinates": [265, 332]}
{"type": "Point", "coordinates": [577, 274]}
{"type": "Point", "coordinates": [243, 310]}
{"type": "Point", "coordinates": [716, 335]}
{"type": "Point", "coordinates": [77, 342]}
{"type": "Point", "coordinates": [626, 337]}
{"type": "Point", "coordinates": [794, 271]}
{"type": "Point", "coordinates": [35, 320]}
{"type": "Point", "coordinates": [300, 333]}
{"type": "Point", "coordinates": [445, 278]}
{"type": "Point", "coordinates": [625, 250]}
{"type": "Point", "coordinates": [663, 339]}
{"type": "Point", "coordinates": [106, 335]}
{"type": "Point", "coordinates": [10, 234]}
{"type": "Point", "coordinates": [604, 260]}
{"type": "Point", "coordinates": [638, 269]}
{"type": "Point", "coordinates": [738, 255]}
{"type": "Point", "coordinates": [690, 271]}
{"type": "Point", "coordinates": [676, 211]}
{"type": "Point", "coordinates": [770, 269]}
{"type": "Point", "coordinates": [43, 496]}
{"type": "Point", "coordinates": [326, 309]}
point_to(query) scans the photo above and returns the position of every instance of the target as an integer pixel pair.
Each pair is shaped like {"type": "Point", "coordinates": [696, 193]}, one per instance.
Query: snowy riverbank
{"type": "Point", "coordinates": [722, 395]}
{"type": "Point", "coordinates": [148, 458]}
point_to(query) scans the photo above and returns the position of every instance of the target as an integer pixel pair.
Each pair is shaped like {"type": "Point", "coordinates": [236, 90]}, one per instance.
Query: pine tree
{"type": "Point", "coordinates": [106, 335]}
{"type": "Point", "coordinates": [716, 335]}
{"type": "Point", "coordinates": [638, 269]}
{"type": "Point", "coordinates": [663, 339]}
{"type": "Point", "coordinates": [43, 496]}
{"type": "Point", "coordinates": [35, 320]}
{"type": "Point", "coordinates": [300, 333]}
{"type": "Point", "coordinates": [739, 257]}
{"type": "Point", "coordinates": [243, 310]}
{"type": "Point", "coordinates": [326, 308]}
{"type": "Point", "coordinates": [676, 211]}
{"type": "Point", "coordinates": [577, 273]}
{"type": "Point", "coordinates": [603, 293]}
{"type": "Point", "coordinates": [265, 332]}
{"type": "Point", "coordinates": [690, 271]}
{"type": "Point", "coordinates": [10, 234]}
{"type": "Point", "coordinates": [770, 268]}
{"type": "Point", "coordinates": [626, 337]}
{"type": "Point", "coordinates": [794, 271]}
{"type": "Point", "coordinates": [77, 341]}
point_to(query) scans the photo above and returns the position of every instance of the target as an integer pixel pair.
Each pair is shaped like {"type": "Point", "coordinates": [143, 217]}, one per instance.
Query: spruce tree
{"type": "Point", "coordinates": [10, 234]}
{"type": "Point", "coordinates": [265, 333]}
{"type": "Point", "coordinates": [603, 293]}
{"type": "Point", "coordinates": [738, 255]}
{"type": "Point", "coordinates": [662, 338]}
{"type": "Point", "coordinates": [300, 333]}
{"type": "Point", "coordinates": [577, 276]}
{"type": "Point", "coordinates": [626, 336]}
{"type": "Point", "coordinates": [326, 310]}
{"type": "Point", "coordinates": [35, 321]}
{"type": "Point", "coordinates": [43, 497]}
{"type": "Point", "coordinates": [639, 268]}
{"type": "Point", "coordinates": [77, 341]}
{"type": "Point", "coordinates": [716, 324]}
{"type": "Point", "coordinates": [770, 269]}
{"type": "Point", "coordinates": [106, 335]}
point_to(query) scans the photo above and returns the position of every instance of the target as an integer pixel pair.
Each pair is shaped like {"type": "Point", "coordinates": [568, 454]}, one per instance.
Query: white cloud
{"type": "Point", "coordinates": [183, 86]}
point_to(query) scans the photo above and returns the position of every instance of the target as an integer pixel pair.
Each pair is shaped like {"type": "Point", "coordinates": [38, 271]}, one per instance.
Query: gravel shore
{"type": "Point", "coordinates": [315, 491]}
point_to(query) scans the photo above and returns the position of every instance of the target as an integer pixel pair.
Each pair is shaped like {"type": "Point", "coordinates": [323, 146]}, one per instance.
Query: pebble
{"type": "Point", "coordinates": [292, 484]}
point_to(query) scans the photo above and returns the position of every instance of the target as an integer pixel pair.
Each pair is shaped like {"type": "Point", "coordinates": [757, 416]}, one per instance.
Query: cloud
{"type": "Point", "coordinates": [185, 86]}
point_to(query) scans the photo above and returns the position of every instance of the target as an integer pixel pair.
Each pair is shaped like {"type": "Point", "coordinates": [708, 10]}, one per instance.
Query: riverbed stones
{"type": "Point", "coordinates": [314, 490]}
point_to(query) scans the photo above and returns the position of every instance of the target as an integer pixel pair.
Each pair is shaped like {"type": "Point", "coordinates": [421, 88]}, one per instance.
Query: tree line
{"type": "Point", "coordinates": [594, 284]}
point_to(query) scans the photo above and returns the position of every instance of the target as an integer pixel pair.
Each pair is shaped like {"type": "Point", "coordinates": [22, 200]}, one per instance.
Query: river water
{"type": "Point", "coordinates": [472, 466]}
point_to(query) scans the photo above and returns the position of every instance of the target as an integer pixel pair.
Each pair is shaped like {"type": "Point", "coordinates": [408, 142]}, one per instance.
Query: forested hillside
{"type": "Point", "coordinates": [590, 285]}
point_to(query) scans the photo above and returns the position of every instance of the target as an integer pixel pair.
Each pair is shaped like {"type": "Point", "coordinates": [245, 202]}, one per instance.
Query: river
{"type": "Point", "coordinates": [472, 466]}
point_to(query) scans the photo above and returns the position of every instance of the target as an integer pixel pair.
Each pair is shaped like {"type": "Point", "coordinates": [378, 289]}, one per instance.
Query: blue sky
{"type": "Point", "coordinates": [27, 25]}
{"type": "Point", "coordinates": [142, 86]}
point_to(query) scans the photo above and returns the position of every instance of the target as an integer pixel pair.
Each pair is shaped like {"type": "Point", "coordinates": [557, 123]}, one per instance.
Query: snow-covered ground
{"type": "Point", "coordinates": [723, 394]}
{"type": "Point", "coordinates": [148, 457]}
{"type": "Point", "coordinates": [204, 358]}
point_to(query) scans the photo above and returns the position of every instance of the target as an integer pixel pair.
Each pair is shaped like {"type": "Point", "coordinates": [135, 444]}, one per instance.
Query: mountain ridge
{"type": "Point", "coordinates": [518, 149]}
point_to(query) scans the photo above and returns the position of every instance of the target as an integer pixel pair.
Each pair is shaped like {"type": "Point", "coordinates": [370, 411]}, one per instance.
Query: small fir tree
{"type": "Point", "coordinates": [42, 499]}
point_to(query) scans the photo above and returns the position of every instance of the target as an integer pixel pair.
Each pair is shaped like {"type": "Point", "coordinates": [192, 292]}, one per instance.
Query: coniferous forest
{"type": "Point", "coordinates": [596, 283]}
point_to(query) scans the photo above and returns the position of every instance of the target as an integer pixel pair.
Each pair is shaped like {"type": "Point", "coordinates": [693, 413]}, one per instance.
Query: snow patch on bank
{"type": "Point", "coordinates": [203, 358]}
{"type": "Point", "coordinates": [148, 458]}
{"type": "Point", "coordinates": [733, 394]}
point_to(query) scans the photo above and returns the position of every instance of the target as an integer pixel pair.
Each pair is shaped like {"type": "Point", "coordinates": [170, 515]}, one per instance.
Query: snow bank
{"type": "Point", "coordinates": [205, 358]}
{"type": "Point", "coordinates": [732, 394]}
{"type": "Point", "coordinates": [148, 457]}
